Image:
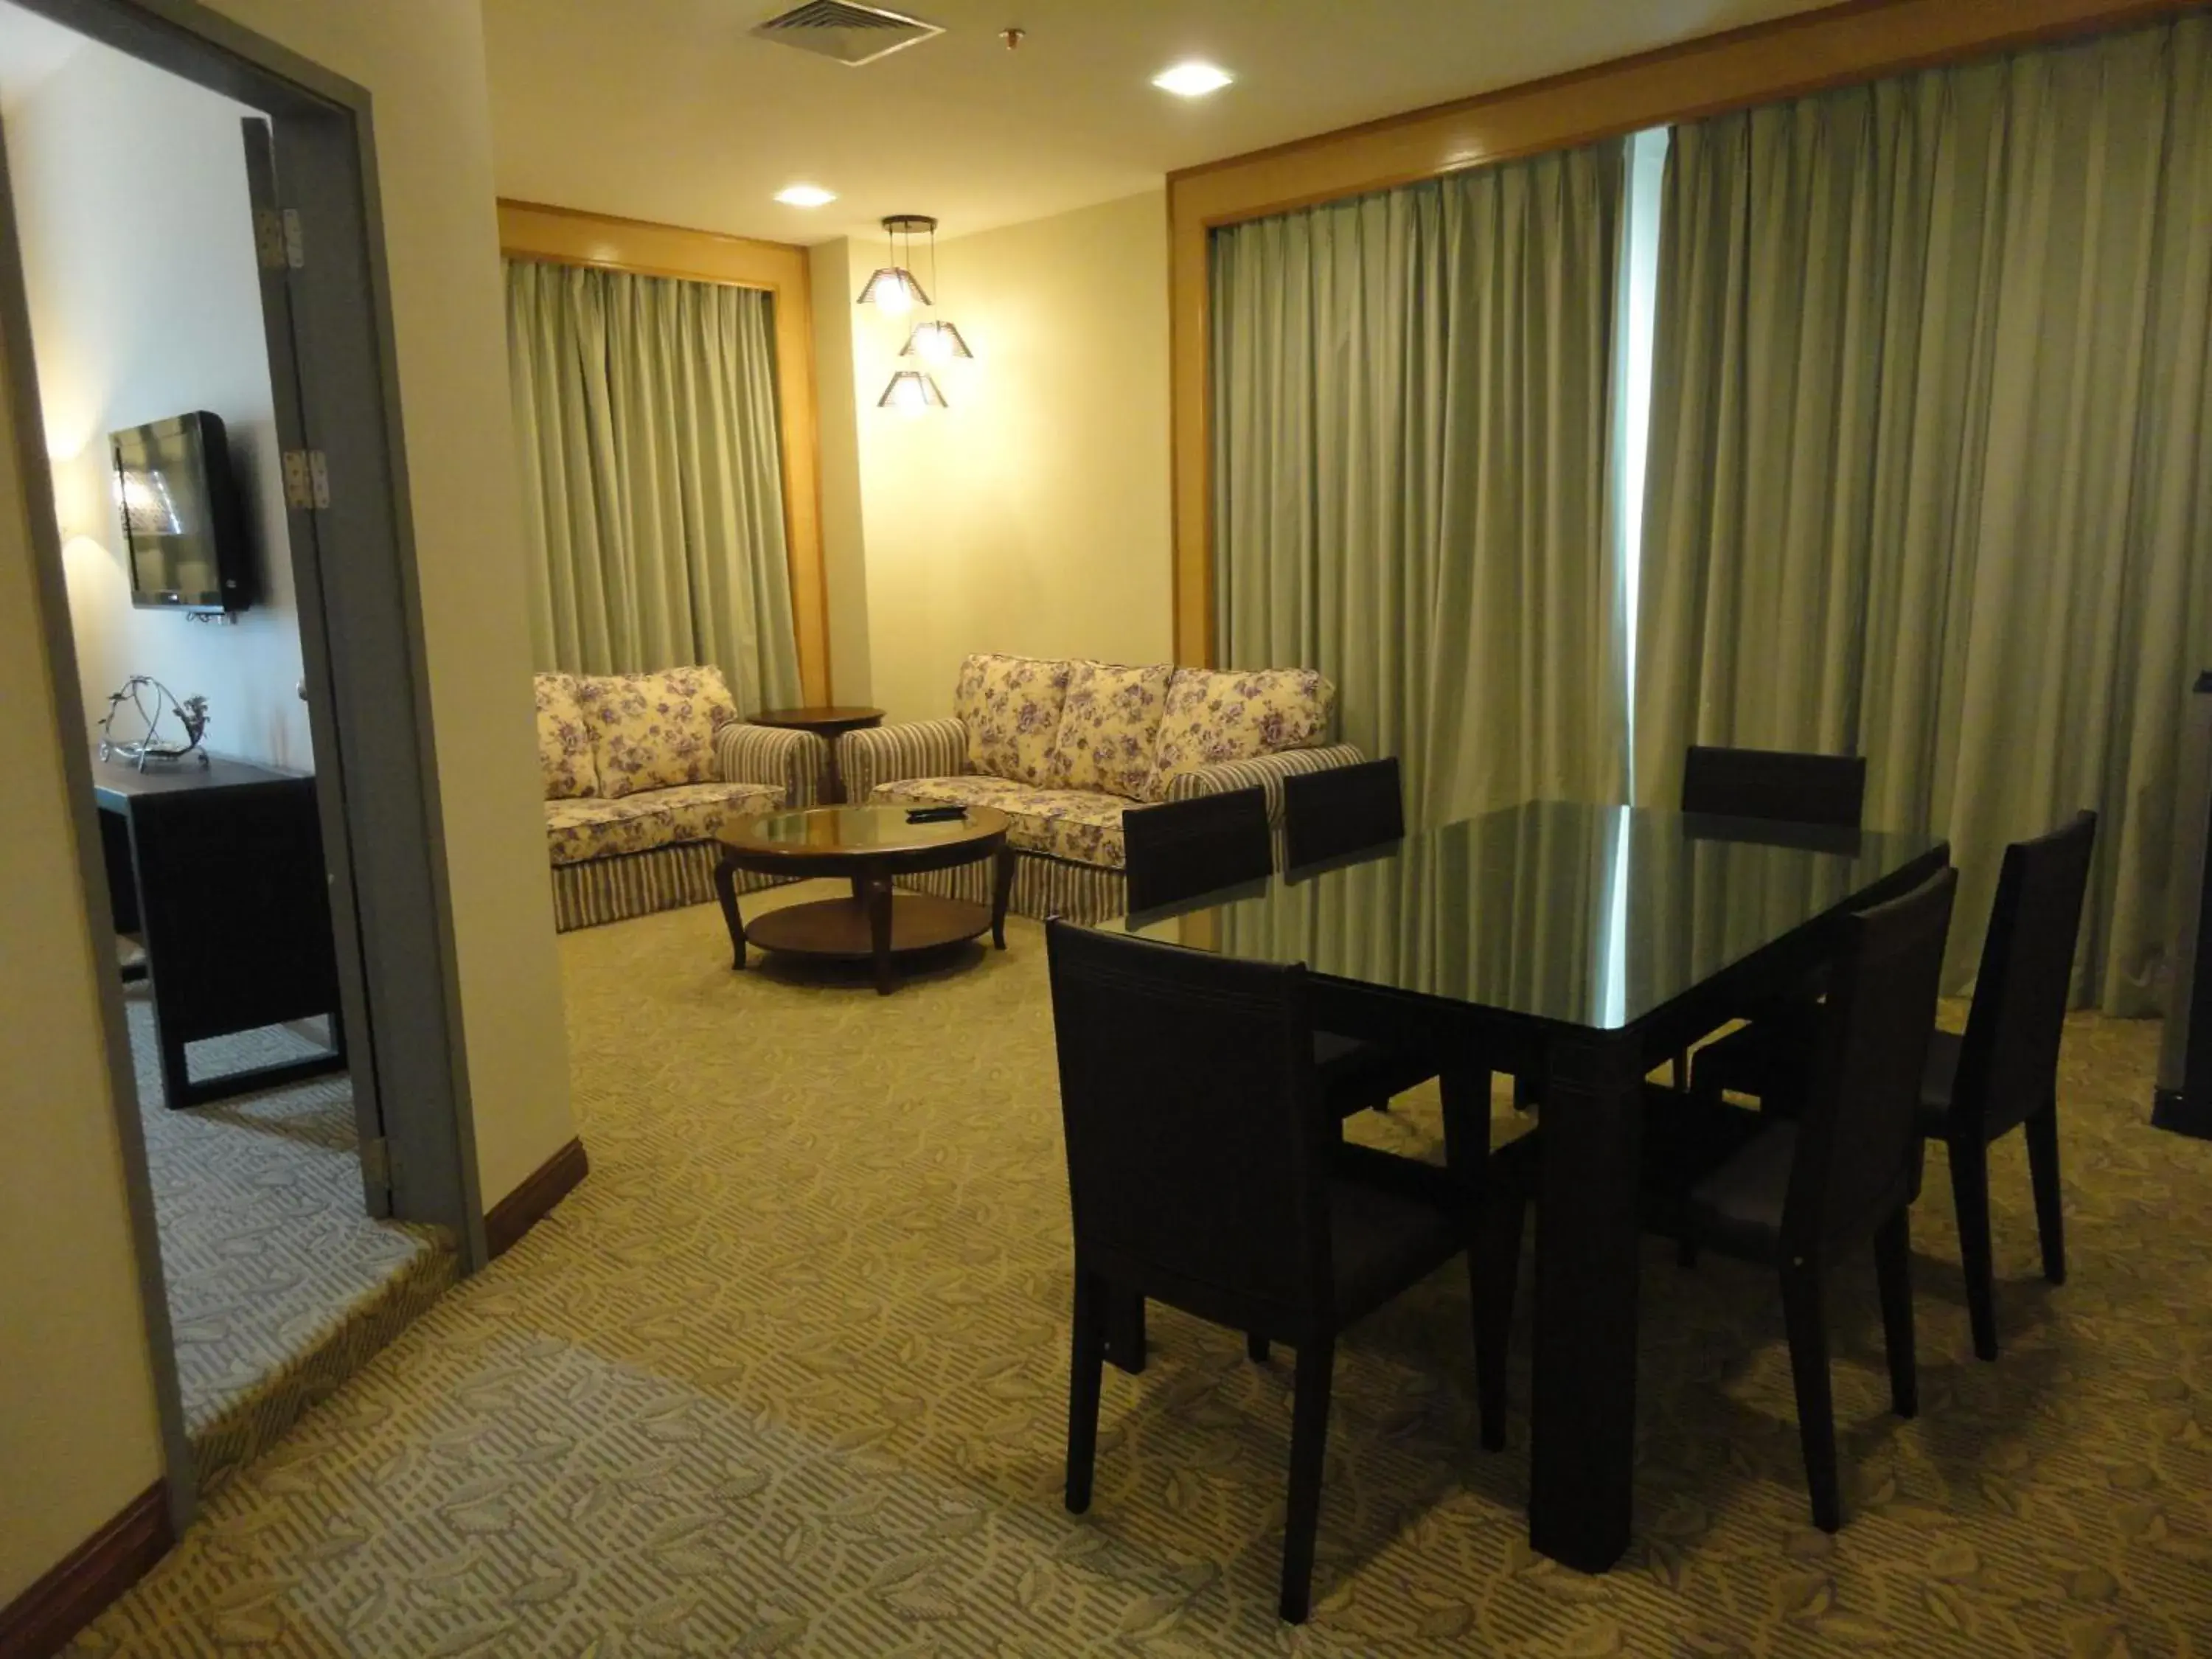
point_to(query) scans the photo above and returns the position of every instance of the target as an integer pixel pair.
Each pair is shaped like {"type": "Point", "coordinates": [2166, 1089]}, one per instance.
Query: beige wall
{"type": "Point", "coordinates": [77, 1436]}
{"type": "Point", "coordinates": [138, 235]}
{"type": "Point", "coordinates": [1033, 515]}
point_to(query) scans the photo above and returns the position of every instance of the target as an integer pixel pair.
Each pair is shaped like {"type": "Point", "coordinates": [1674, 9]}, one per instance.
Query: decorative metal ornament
{"type": "Point", "coordinates": [150, 700]}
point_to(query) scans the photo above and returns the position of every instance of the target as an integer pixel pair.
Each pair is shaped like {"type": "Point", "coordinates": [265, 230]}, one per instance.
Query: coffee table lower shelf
{"type": "Point", "coordinates": [841, 928]}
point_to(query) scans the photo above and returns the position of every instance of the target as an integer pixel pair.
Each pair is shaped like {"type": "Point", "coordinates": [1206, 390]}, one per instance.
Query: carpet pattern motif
{"type": "Point", "coordinates": [787, 1374]}
{"type": "Point", "coordinates": [279, 1287]}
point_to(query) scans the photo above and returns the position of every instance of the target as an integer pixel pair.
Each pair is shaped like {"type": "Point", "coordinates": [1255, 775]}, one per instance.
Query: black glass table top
{"type": "Point", "coordinates": [1559, 911]}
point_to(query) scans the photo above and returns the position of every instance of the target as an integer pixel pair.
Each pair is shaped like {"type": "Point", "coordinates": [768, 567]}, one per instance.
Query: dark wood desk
{"type": "Point", "coordinates": [219, 869]}
{"type": "Point", "coordinates": [1581, 945]}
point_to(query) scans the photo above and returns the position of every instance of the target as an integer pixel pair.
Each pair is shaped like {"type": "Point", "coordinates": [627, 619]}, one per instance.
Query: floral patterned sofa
{"type": "Point", "coordinates": [640, 772]}
{"type": "Point", "coordinates": [1064, 748]}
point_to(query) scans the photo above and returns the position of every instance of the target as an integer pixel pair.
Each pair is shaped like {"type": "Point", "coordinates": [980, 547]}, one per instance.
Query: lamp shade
{"type": "Point", "coordinates": [893, 288]}
{"type": "Point", "coordinates": [912, 392]}
{"type": "Point", "coordinates": [936, 342]}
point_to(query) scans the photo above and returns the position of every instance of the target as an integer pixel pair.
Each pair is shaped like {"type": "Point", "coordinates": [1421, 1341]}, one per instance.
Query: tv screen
{"type": "Point", "coordinates": [183, 532]}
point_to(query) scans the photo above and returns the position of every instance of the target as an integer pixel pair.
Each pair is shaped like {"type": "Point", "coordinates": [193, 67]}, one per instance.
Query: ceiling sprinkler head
{"type": "Point", "coordinates": [1013, 38]}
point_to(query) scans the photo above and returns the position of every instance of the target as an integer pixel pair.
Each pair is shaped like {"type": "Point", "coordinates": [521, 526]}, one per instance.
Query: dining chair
{"type": "Point", "coordinates": [1340, 810]}
{"type": "Point", "coordinates": [1770, 786]}
{"type": "Point", "coordinates": [1188, 848]}
{"type": "Point", "coordinates": [1182, 849]}
{"type": "Point", "coordinates": [1795, 1194]}
{"type": "Point", "coordinates": [1205, 1171]}
{"type": "Point", "coordinates": [2002, 1074]}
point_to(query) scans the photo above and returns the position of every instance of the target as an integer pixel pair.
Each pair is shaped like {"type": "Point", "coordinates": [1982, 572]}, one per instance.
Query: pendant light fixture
{"type": "Point", "coordinates": [893, 288]}
{"type": "Point", "coordinates": [934, 340]}
{"type": "Point", "coordinates": [912, 392]}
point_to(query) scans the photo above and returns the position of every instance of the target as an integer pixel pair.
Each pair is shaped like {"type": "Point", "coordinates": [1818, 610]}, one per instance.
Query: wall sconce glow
{"type": "Point", "coordinates": [936, 343]}
{"type": "Point", "coordinates": [894, 290]}
{"type": "Point", "coordinates": [912, 392]}
{"type": "Point", "coordinates": [806, 196]}
{"type": "Point", "coordinates": [1191, 79]}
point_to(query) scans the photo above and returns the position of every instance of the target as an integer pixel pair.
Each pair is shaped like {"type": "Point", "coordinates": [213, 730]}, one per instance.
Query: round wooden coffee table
{"type": "Point", "coordinates": [868, 846]}
{"type": "Point", "coordinates": [828, 721]}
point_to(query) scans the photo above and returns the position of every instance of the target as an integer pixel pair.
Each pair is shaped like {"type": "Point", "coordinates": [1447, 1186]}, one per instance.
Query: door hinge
{"type": "Point", "coordinates": [306, 479]}
{"type": "Point", "coordinates": [376, 1161]}
{"type": "Point", "coordinates": [279, 239]}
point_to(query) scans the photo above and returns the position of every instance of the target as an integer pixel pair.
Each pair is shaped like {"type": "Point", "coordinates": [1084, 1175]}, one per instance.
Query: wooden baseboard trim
{"type": "Point", "coordinates": [528, 1204]}
{"type": "Point", "coordinates": [41, 1621]}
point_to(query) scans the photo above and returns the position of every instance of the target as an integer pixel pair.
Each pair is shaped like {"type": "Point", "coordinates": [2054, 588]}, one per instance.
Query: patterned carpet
{"type": "Point", "coordinates": [787, 1375]}
{"type": "Point", "coordinates": [279, 1287]}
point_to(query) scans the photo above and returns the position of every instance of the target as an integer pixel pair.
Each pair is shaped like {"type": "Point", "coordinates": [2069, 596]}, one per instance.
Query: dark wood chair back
{"type": "Point", "coordinates": [1858, 1147]}
{"type": "Point", "coordinates": [1186, 848]}
{"type": "Point", "coordinates": [1198, 1147]}
{"type": "Point", "coordinates": [1340, 810]}
{"type": "Point", "coordinates": [1776, 785]}
{"type": "Point", "coordinates": [2009, 1060]}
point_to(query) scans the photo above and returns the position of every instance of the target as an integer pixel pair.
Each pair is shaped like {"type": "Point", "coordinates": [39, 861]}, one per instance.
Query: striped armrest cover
{"type": "Point", "coordinates": [1268, 771]}
{"type": "Point", "coordinates": [795, 762]}
{"type": "Point", "coordinates": [888, 754]}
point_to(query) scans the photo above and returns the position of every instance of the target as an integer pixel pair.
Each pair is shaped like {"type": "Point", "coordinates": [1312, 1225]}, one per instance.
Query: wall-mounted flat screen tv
{"type": "Point", "coordinates": [183, 530]}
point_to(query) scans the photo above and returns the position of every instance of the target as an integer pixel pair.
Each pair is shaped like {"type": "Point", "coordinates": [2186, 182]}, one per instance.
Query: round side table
{"type": "Point", "coordinates": [828, 722]}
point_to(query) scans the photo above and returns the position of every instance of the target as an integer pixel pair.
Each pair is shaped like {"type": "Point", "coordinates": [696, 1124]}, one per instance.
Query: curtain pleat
{"type": "Point", "coordinates": [1930, 455]}
{"type": "Point", "coordinates": [1411, 417]}
{"type": "Point", "coordinates": [653, 476]}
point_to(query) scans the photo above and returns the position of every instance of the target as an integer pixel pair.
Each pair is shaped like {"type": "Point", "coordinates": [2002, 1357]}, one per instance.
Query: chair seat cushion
{"type": "Point", "coordinates": [1382, 1240]}
{"type": "Point", "coordinates": [1937, 1079]}
{"type": "Point", "coordinates": [1083, 826]}
{"type": "Point", "coordinates": [1737, 1208]}
{"type": "Point", "coordinates": [577, 831]}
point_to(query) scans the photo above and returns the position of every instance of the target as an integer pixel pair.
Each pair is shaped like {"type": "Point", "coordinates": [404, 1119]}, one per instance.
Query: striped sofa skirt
{"type": "Point", "coordinates": [628, 885]}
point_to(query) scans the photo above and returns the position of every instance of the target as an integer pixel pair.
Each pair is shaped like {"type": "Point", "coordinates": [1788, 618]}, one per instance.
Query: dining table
{"type": "Point", "coordinates": [1575, 946]}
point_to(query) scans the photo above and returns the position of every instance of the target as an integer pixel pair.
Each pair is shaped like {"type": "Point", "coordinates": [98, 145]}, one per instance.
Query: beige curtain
{"type": "Point", "coordinates": [1411, 414]}
{"type": "Point", "coordinates": [653, 476]}
{"type": "Point", "coordinates": [1931, 466]}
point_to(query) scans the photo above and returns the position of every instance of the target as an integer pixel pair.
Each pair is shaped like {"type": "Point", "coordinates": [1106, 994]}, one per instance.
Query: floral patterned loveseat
{"type": "Point", "coordinates": [1064, 748]}
{"type": "Point", "coordinates": [640, 773]}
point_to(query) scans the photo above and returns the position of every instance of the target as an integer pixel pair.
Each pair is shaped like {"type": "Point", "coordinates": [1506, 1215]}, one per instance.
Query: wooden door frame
{"type": "Point", "coordinates": [570, 236]}
{"type": "Point", "coordinates": [1858, 41]}
{"type": "Point", "coordinates": [369, 697]}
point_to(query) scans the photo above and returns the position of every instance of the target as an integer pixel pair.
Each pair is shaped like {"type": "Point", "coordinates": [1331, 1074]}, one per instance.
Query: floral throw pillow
{"type": "Point", "coordinates": [564, 742]}
{"type": "Point", "coordinates": [1108, 727]}
{"type": "Point", "coordinates": [1216, 716]}
{"type": "Point", "coordinates": [655, 731]}
{"type": "Point", "coordinates": [1012, 707]}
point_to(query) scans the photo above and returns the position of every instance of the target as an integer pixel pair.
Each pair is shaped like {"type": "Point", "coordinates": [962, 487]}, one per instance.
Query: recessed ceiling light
{"type": "Point", "coordinates": [1191, 79]}
{"type": "Point", "coordinates": [806, 196]}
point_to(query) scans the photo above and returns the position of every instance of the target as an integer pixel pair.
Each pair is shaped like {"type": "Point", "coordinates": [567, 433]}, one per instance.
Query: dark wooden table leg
{"type": "Point", "coordinates": [726, 890]}
{"type": "Point", "coordinates": [832, 782]}
{"type": "Point", "coordinates": [1002, 889]}
{"type": "Point", "coordinates": [1465, 1084]}
{"type": "Point", "coordinates": [879, 934]}
{"type": "Point", "coordinates": [1583, 1423]}
{"type": "Point", "coordinates": [1125, 1331]}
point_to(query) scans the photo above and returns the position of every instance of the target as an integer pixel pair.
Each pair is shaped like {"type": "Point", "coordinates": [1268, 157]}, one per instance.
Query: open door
{"type": "Point", "coordinates": [279, 247]}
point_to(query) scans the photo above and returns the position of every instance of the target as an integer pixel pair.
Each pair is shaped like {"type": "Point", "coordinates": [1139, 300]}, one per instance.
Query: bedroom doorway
{"type": "Point", "coordinates": [194, 342]}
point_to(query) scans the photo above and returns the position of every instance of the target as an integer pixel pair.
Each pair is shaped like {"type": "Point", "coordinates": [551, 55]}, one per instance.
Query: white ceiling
{"type": "Point", "coordinates": [31, 49]}
{"type": "Point", "coordinates": [666, 110]}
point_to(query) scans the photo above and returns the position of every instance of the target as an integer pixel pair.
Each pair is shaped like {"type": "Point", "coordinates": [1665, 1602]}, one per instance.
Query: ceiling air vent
{"type": "Point", "coordinates": [852, 34]}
